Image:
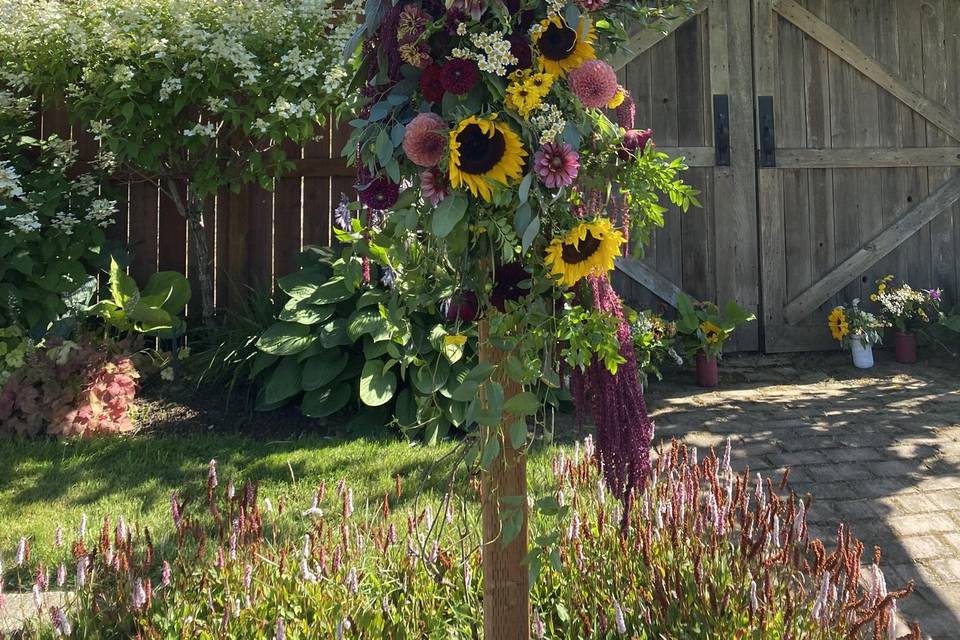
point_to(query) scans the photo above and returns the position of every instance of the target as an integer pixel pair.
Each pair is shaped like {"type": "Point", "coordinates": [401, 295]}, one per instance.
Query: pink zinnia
{"type": "Point", "coordinates": [556, 164]}
{"type": "Point", "coordinates": [433, 186]}
{"type": "Point", "coordinates": [594, 82]}
{"type": "Point", "coordinates": [425, 139]}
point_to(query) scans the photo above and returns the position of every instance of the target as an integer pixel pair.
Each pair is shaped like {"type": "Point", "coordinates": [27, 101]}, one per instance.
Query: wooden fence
{"type": "Point", "coordinates": [255, 235]}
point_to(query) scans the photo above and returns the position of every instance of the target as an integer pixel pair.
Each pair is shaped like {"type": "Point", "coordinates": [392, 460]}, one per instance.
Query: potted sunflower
{"type": "Point", "coordinates": [908, 311]}
{"type": "Point", "coordinates": [704, 329]}
{"type": "Point", "coordinates": [858, 329]}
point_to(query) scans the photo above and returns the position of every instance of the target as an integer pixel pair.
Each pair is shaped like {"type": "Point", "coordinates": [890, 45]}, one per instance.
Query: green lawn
{"type": "Point", "coordinates": [45, 484]}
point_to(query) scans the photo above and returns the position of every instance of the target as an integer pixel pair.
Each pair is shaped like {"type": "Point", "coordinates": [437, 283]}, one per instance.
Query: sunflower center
{"type": "Point", "coordinates": [557, 43]}
{"type": "Point", "coordinates": [480, 153]}
{"type": "Point", "coordinates": [587, 247]}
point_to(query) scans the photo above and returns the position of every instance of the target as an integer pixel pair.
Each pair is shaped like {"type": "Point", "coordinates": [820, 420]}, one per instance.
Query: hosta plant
{"type": "Point", "coordinates": [707, 553]}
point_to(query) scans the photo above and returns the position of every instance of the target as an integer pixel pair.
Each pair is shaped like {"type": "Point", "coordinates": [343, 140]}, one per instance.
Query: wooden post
{"type": "Point", "coordinates": [506, 583]}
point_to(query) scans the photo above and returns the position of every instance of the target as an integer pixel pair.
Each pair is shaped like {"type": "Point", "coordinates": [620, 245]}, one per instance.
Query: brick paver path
{"type": "Point", "coordinates": [877, 449]}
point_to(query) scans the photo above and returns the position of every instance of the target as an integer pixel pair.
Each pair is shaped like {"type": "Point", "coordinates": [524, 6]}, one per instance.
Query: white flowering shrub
{"type": "Point", "coordinates": [193, 95]}
{"type": "Point", "coordinates": [52, 217]}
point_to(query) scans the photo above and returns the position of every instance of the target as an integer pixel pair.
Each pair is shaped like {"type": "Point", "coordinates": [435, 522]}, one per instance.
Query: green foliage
{"type": "Point", "coordinates": [165, 85]}
{"type": "Point", "coordinates": [723, 561]}
{"type": "Point", "coordinates": [15, 346]}
{"type": "Point", "coordinates": [154, 311]}
{"type": "Point", "coordinates": [654, 340]}
{"type": "Point", "coordinates": [52, 216]}
{"type": "Point", "coordinates": [703, 327]}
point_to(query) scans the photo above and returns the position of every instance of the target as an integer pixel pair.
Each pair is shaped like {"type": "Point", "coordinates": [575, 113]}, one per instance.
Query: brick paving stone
{"type": "Point", "coordinates": [926, 547]}
{"type": "Point", "coordinates": [921, 523]}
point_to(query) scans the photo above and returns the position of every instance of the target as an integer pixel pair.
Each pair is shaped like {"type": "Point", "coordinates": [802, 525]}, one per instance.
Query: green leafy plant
{"type": "Point", "coordinates": [15, 346]}
{"type": "Point", "coordinates": [654, 341]}
{"type": "Point", "coordinates": [191, 96]}
{"type": "Point", "coordinates": [52, 215]}
{"type": "Point", "coordinates": [703, 327]}
{"type": "Point", "coordinates": [155, 311]}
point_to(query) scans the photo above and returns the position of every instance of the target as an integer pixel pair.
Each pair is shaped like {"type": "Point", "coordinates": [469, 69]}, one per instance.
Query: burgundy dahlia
{"type": "Point", "coordinates": [463, 307]}
{"type": "Point", "coordinates": [459, 76]}
{"type": "Point", "coordinates": [520, 48]}
{"type": "Point", "coordinates": [380, 193]}
{"type": "Point", "coordinates": [431, 83]}
{"type": "Point", "coordinates": [556, 164]}
{"type": "Point", "coordinates": [425, 139]}
{"type": "Point", "coordinates": [594, 82]}
{"type": "Point", "coordinates": [635, 141]}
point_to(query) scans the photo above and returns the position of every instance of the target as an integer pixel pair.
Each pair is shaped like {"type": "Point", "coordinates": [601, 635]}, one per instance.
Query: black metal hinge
{"type": "Point", "coordinates": [721, 129]}
{"type": "Point", "coordinates": [767, 155]}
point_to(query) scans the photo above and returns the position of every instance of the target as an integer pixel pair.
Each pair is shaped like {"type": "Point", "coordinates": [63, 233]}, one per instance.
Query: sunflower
{"type": "Point", "coordinates": [588, 249]}
{"type": "Point", "coordinates": [562, 47]}
{"type": "Point", "coordinates": [484, 150]}
{"type": "Point", "coordinates": [711, 332]}
{"type": "Point", "coordinates": [838, 324]}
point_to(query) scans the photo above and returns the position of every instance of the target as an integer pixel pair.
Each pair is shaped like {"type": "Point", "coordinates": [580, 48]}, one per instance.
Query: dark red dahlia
{"type": "Point", "coordinates": [520, 48]}
{"type": "Point", "coordinates": [459, 76]}
{"type": "Point", "coordinates": [507, 285]}
{"type": "Point", "coordinates": [463, 307]}
{"type": "Point", "coordinates": [380, 193]}
{"type": "Point", "coordinates": [431, 83]}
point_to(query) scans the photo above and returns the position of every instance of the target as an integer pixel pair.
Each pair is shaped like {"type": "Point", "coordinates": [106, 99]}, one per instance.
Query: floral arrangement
{"type": "Point", "coordinates": [904, 308]}
{"type": "Point", "coordinates": [193, 97]}
{"type": "Point", "coordinates": [68, 388]}
{"type": "Point", "coordinates": [53, 212]}
{"type": "Point", "coordinates": [245, 567]}
{"type": "Point", "coordinates": [500, 173]}
{"type": "Point", "coordinates": [849, 323]}
{"type": "Point", "coordinates": [654, 339]}
{"type": "Point", "coordinates": [703, 327]}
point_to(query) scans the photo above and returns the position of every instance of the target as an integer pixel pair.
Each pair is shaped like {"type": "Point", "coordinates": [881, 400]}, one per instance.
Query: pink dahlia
{"type": "Point", "coordinates": [433, 186]}
{"type": "Point", "coordinates": [594, 82]}
{"type": "Point", "coordinates": [556, 164]}
{"type": "Point", "coordinates": [627, 111]}
{"type": "Point", "coordinates": [425, 139]}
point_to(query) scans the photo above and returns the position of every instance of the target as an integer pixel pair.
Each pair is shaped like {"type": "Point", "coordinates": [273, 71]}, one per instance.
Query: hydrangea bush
{"type": "Point", "coordinates": [191, 95]}
{"type": "Point", "coordinates": [53, 213]}
{"type": "Point", "coordinates": [709, 553]}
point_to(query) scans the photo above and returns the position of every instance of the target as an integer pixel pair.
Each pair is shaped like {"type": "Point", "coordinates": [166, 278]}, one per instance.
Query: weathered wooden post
{"type": "Point", "coordinates": [506, 581]}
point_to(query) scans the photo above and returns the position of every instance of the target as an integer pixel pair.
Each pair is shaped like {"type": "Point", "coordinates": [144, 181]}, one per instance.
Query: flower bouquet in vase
{"type": "Point", "coordinates": [858, 329]}
{"type": "Point", "coordinates": [703, 330]}
{"type": "Point", "coordinates": [908, 311]}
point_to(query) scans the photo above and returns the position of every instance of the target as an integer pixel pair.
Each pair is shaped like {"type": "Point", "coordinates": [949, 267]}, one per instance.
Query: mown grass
{"type": "Point", "coordinates": [46, 484]}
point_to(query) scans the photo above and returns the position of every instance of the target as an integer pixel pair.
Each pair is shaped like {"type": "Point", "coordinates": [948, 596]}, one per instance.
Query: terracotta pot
{"type": "Point", "coordinates": [708, 374]}
{"type": "Point", "coordinates": [905, 348]}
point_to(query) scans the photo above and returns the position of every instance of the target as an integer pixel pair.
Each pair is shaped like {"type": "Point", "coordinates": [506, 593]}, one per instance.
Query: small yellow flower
{"type": "Point", "coordinates": [617, 99]}
{"type": "Point", "coordinates": [456, 340]}
{"type": "Point", "coordinates": [839, 326]}
{"type": "Point", "coordinates": [711, 332]}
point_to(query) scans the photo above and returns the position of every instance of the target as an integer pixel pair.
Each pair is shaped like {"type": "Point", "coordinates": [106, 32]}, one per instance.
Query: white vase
{"type": "Point", "coordinates": [862, 353]}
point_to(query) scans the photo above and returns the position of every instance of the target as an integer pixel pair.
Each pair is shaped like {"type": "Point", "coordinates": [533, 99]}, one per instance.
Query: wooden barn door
{"type": "Point", "coordinates": [858, 110]}
{"type": "Point", "coordinates": [693, 85]}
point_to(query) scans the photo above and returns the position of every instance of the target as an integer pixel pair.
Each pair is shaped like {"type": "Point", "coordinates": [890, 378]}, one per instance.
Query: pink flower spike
{"type": "Point", "coordinates": [556, 164]}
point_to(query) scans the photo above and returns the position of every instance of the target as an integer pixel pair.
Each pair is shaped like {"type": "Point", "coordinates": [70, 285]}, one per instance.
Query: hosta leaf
{"type": "Point", "coordinates": [285, 339]}
{"type": "Point", "coordinates": [307, 314]}
{"type": "Point", "coordinates": [377, 387]}
{"type": "Point", "coordinates": [368, 321]}
{"type": "Point", "coordinates": [321, 403]}
{"type": "Point", "coordinates": [284, 382]}
{"type": "Point", "coordinates": [321, 370]}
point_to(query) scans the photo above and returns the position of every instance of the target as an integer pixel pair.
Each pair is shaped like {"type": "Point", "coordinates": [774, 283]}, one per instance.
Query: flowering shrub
{"type": "Point", "coordinates": [703, 327]}
{"type": "Point", "coordinates": [905, 308]}
{"type": "Point", "coordinates": [70, 388]}
{"type": "Point", "coordinates": [849, 323]}
{"type": "Point", "coordinates": [193, 96]}
{"type": "Point", "coordinates": [707, 553]}
{"type": "Point", "coordinates": [52, 217]}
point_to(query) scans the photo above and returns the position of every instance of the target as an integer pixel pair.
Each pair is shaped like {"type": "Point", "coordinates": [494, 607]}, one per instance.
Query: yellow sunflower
{"type": "Point", "coordinates": [484, 150]}
{"type": "Point", "coordinates": [711, 332]}
{"type": "Point", "coordinates": [588, 249]}
{"type": "Point", "coordinates": [617, 99]}
{"type": "Point", "coordinates": [563, 48]}
{"type": "Point", "coordinates": [838, 324]}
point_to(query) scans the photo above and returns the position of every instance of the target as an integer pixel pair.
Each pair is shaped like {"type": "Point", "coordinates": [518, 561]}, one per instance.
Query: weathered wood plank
{"type": "Point", "coordinates": [662, 287]}
{"type": "Point", "coordinates": [666, 100]}
{"type": "Point", "coordinates": [693, 156]}
{"type": "Point", "coordinates": [891, 237]}
{"type": "Point", "coordinates": [788, 338]}
{"type": "Point", "coordinates": [863, 157]}
{"type": "Point", "coordinates": [144, 211]}
{"type": "Point", "coordinates": [287, 219]}
{"type": "Point", "coordinates": [643, 39]}
{"type": "Point", "coordinates": [855, 56]}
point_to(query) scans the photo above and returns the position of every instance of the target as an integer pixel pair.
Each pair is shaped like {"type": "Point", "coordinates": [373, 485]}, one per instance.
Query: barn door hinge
{"type": "Point", "coordinates": [767, 154]}
{"type": "Point", "coordinates": [721, 129]}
